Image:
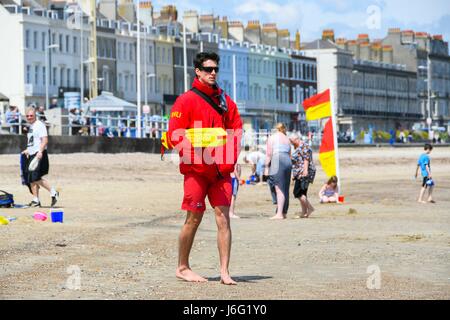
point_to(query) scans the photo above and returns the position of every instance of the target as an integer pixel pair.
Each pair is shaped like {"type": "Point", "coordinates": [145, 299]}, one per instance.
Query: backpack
{"type": "Point", "coordinates": [6, 200]}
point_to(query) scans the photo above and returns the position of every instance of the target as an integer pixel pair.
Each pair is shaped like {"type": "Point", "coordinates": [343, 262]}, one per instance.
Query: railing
{"type": "Point", "coordinates": [98, 126]}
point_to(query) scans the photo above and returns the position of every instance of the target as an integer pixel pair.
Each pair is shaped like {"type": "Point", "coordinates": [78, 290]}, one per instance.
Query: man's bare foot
{"type": "Point", "coordinates": [188, 275]}
{"type": "Point", "coordinates": [233, 216]}
{"type": "Point", "coordinates": [431, 201]}
{"type": "Point", "coordinates": [226, 280]}
{"type": "Point", "coordinates": [277, 217]}
{"type": "Point", "coordinates": [421, 201]}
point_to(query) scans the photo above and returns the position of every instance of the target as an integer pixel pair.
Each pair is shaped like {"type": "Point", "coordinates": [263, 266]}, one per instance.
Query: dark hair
{"type": "Point", "coordinates": [428, 147]}
{"type": "Point", "coordinates": [203, 56]}
{"type": "Point", "coordinates": [333, 179]}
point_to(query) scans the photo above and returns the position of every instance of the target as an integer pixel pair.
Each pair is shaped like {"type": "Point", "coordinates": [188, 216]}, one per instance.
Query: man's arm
{"type": "Point", "coordinates": [417, 171]}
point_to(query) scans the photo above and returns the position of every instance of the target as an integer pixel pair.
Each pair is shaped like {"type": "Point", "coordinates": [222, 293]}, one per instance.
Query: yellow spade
{"type": "Point", "coordinates": [206, 137]}
{"type": "Point", "coordinates": [3, 221]}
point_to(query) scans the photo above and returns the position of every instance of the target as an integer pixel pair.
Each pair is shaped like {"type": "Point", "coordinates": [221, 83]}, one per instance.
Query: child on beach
{"type": "Point", "coordinates": [329, 192]}
{"type": "Point", "coordinates": [424, 163]}
{"type": "Point", "coordinates": [235, 178]}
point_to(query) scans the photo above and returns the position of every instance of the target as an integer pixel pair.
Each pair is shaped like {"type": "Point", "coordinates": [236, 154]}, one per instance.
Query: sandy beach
{"type": "Point", "coordinates": [122, 218]}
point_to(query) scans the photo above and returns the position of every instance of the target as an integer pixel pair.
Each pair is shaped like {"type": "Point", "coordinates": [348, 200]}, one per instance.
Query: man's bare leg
{"type": "Point", "coordinates": [224, 243]}
{"type": "Point", "coordinates": [186, 240]}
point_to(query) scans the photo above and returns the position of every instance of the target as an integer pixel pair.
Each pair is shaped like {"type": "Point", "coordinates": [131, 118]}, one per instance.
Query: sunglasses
{"type": "Point", "coordinates": [30, 116]}
{"type": "Point", "coordinates": [209, 69]}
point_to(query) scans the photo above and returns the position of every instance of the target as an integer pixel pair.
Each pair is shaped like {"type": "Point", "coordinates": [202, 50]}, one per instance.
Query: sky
{"type": "Point", "coordinates": [347, 17]}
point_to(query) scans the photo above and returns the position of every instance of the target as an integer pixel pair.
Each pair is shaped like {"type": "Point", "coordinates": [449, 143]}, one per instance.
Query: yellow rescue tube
{"type": "Point", "coordinates": [206, 137]}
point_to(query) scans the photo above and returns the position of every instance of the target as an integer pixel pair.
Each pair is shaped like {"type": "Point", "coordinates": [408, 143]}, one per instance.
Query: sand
{"type": "Point", "coordinates": [122, 220]}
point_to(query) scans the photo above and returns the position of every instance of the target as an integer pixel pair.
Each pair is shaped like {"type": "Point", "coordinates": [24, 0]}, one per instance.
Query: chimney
{"type": "Point", "coordinates": [297, 41]}
{"type": "Point", "coordinates": [283, 40]}
{"type": "Point", "coordinates": [341, 43]}
{"type": "Point", "coordinates": [108, 8]}
{"type": "Point", "coordinates": [364, 51]}
{"type": "Point", "coordinates": [328, 34]}
{"type": "Point", "coordinates": [206, 22]}
{"type": "Point", "coordinates": [388, 54]}
{"type": "Point", "coordinates": [422, 39]}
{"type": "Point", "coordinates": [222, 25]}
{"type": "Point", "coordinates": [408, 36]}
{"type": "Point", "coordinates": [236, 30]}
{"type": "Point", "coordinates": [126, 10]}
{"type": "Point", "coordinates": [376, 51]}
{"type": "Point", "coordinates": [270, 34]}
{"type": "Point", "coordinates": [146, 14]}
{"type": "Point", "coordinates": [190, 19]}
{"type": "Point", "coordinates": [252, 32]}
{"type": "Point", "coordinates": [352, 45]}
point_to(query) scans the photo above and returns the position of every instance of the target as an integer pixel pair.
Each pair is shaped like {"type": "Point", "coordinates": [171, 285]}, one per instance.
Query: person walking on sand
{"type": "Point", "coordinates": [206, 170]}
{"type": "Point", "coordinates": [424, 164]}
{"type": "Point", "coordinates": [279, 168]}
{"type": "Point", "coordinates": [37, 148]}
{"type": "Point", "coordinates": [304, 172]}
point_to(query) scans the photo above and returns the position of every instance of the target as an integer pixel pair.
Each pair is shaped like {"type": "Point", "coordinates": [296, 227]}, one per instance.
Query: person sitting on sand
{"type": "Point", "coordinates": [329, 193]}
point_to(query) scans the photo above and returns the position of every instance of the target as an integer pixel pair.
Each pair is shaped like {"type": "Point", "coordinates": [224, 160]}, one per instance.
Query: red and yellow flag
{"type": "Point", "coordinates": [318, 106]}
{"type": "Point", "coordinates": [327, 155]}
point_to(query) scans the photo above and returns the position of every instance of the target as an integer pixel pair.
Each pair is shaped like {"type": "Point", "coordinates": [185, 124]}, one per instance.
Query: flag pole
{"type": "Point", "coordinates": [336, 147]}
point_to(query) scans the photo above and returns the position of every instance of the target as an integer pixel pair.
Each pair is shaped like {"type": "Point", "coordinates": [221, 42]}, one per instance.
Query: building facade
{"type": "Point", "coordinates": [366, 94]}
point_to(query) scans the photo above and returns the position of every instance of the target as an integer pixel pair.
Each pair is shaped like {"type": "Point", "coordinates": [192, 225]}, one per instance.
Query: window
{"type": "Point", "coordinates": [119, 50]}
{"type": "Point", "coordinates": [158, 58]}
{"type": "Point", "coordinates": [27, 39]}
{"type": "Point", "coordinates": [61, 77]}
{"type": "Point", "coordinates": [131, 51]}
{"type": "Point", "coordinates": [126, 83]}
{"type": "Point", "coordinates": [36, 75]}
{"type": "Point", "coordinates": [125, 47]}
{"type": "Point", "coordinates": [44, 80]}
{"type": "Point", "coordinates": [28, 74]}
{"type": "Point", "coordinates": [120, 82]}
{"type": "Point", "coordinates": [67, 44]}
{"type": "Point", "coordinates": [75, 45]}
{"type": "Point", "coordinates": [75, 77]}
{"type": "Point", "coordinates": [35, 40]}
{"type": "Point", "coordinates": [43, 43]}
{"type": "Point", "coordinates": [55, 72]}
{"type": "Point", "coordinates": [60, 43]}
{"type": "Point", "coordinates": [68, 77]}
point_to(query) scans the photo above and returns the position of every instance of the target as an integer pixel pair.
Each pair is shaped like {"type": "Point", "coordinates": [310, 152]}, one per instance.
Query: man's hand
{"type": "Point", "coordinates": [25, 152]}
{"type": "Point", "coordinates": [39, 155]}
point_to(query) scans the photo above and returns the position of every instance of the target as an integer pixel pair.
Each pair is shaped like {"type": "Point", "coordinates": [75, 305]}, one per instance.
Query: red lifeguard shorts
{"type": "Point", "coordinates": [197, 187]}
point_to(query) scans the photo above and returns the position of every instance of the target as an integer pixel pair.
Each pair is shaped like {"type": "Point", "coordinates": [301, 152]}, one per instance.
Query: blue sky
{"type": "Point", "coordinates": [347, 17]}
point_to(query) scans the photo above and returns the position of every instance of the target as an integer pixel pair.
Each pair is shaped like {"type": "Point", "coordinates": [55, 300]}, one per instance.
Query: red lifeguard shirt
{"type": "Point", "coordinates": [192, 111]}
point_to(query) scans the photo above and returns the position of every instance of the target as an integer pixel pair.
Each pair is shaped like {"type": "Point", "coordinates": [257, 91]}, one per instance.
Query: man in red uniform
{"type": "Point", "coordinates": [206, 169]}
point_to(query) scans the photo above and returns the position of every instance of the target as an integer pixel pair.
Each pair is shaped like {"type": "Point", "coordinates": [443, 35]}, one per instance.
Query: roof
{"type": "Point", "coordinates": [320, 44]}
{"type": "Point", "coordinates": [3, 97]}
{"type": "Point", "coordinates": [108, 102]}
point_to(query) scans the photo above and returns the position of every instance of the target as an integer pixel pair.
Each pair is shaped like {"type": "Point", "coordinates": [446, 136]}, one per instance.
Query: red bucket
{"type": "Point", "coordinates": [341, 199]}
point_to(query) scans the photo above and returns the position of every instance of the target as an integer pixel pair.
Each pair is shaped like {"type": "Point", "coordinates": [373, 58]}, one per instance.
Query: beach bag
{"type": "Point", "coordinates": [6, 200]}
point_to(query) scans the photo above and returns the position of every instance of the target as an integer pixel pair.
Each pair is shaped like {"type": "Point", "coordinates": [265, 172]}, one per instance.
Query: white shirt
{"type": "Point", "coordinates": [36, 133]}
{"type": "Point", "coordinates": [254, 157]}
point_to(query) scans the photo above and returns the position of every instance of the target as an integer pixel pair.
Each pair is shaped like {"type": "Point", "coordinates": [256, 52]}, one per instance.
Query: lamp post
{"type": "Point", "coordinates": [149, 75]}
{"type": "Point", "coordinates": [185, 58]}
{"type": "Point", "coordinates": [138, 77]}
{"type": "Point", "coordinates": [429, 120]}
{"type": "Point", "coordinates": [47, 71]}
